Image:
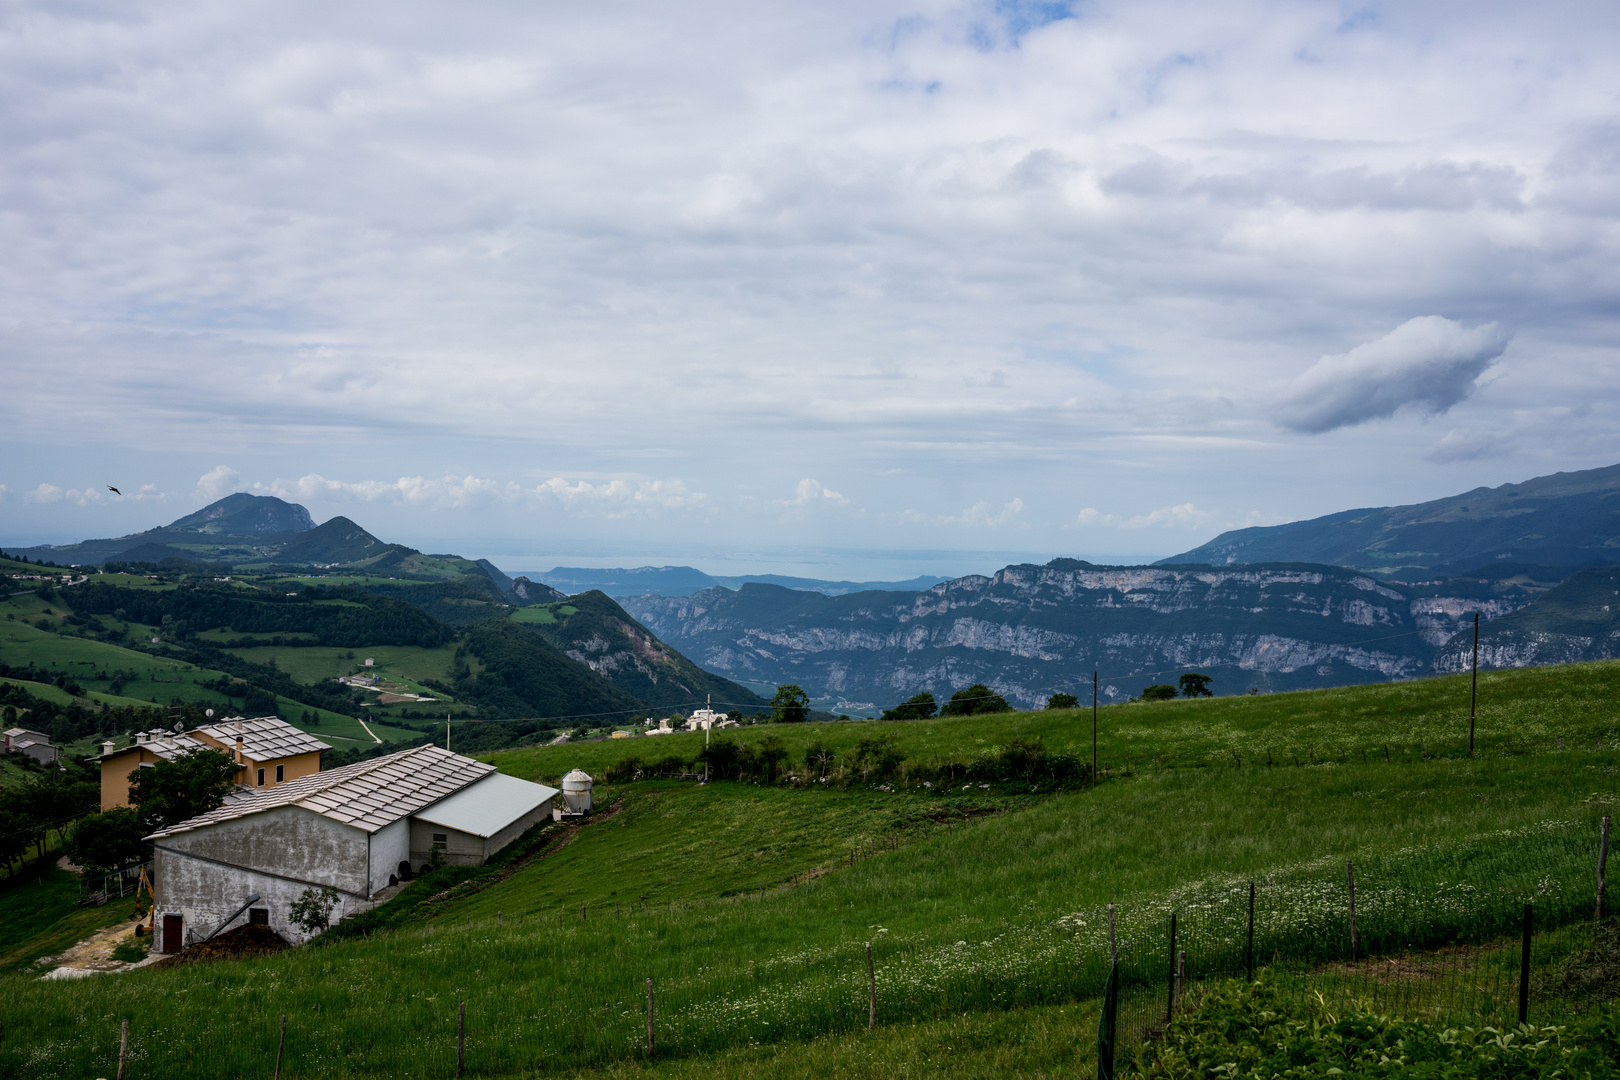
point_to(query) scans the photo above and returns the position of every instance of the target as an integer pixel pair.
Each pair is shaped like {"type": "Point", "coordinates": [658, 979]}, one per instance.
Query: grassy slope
{"type": "Point", "coordinates": [39, 917]}
{"type": "Point", "coordinates": [1003, 879]}
{"type": "Point", "coordinates": [1529, 707]}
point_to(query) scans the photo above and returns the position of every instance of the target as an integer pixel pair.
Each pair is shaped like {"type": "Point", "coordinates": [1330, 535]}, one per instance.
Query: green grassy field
{"type": "Point", "coordinates": [1531, 708]}
{"type": "Point", "coordinates": [977, 926]}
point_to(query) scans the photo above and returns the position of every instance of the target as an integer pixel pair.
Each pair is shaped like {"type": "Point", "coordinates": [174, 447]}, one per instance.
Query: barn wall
{"type": "Point", "coordinates": [390, 846]}
{"type": "Point", "coordinates": [203, 875]}
{"type": "Point", "coordinates": [460, 848]}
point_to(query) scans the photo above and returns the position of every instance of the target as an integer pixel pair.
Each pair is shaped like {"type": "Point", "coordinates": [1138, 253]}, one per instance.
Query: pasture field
{"type": "Point", "coordinates": [314, 663]}
{"type": "Point", "coordinates": [542, 614]}
{"type": "Point", "coordinates": [1529, 708]}
{"type": "Point", "coordinates": [995, 915]}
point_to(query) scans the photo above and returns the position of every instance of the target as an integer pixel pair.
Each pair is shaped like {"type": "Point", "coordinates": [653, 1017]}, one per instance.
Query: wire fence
{"type": "Point", "coordinates": [1424, 933]}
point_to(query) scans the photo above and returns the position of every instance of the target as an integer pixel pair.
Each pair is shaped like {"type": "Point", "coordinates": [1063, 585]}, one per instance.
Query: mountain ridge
{"type": "Point", "coordinates": [1567, 519]}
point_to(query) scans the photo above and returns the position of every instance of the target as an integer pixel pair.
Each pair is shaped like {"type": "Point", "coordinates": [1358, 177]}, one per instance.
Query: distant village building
{"type": "Point", "coordinates": [268, 750]}
{"type": "Point", "coordinates": [35, 744]}
{"type": "Point", "coordinates": [663, 728]}
{"type": "Point", "coordinates": [704, 719]}
{"type": "Point", "coordinates": [358, 830]}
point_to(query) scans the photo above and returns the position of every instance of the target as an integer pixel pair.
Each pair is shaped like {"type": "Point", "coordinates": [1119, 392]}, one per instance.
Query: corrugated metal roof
{"type": "Point", "coordinates": [264, 738]}
{"type": "Point", "coordinates": [367, 794]}
{"type": "Point", "coordinates": [487, 807]}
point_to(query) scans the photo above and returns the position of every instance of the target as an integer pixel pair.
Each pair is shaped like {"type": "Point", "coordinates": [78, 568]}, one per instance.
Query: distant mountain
{"type": "Point", "coordinates": [1564, 520]}
{"type": "Point", "coordinates": [685, 580]}
{"type": "Point", "coordinates": [246, 515]}
{"type": "Point", "coordinates": [595, 631]}
{"type": "Point", "coordinates": [1030, 631]}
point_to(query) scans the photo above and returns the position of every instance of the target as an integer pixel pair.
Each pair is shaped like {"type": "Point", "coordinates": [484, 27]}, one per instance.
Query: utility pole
{"type": "Point", "coordinates": [1473, 693]}
{"type": "Point", "coordinates": [1093, 725]}
{"type": "Point", "coordinates": [447, 731]}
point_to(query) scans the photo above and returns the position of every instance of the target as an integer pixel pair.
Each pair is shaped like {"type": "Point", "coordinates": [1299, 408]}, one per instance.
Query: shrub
{"type": "Point", "coordinates": [1158, 692]}
{"type": "Point", "coordinates": [1062, 701]}
{"type": "Point", "coordinates": [974, 700]}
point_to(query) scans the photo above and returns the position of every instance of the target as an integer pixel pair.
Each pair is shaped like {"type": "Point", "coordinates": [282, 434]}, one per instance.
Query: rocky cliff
{"type": "Point", "coordinates": [1031, 631]}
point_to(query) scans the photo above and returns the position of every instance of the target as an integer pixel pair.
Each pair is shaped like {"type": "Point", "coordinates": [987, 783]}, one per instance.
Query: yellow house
{"type": "Point", "coordinates": [268, 750]}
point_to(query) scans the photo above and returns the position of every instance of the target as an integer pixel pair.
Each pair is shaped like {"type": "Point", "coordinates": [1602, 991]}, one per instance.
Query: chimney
{"type": "Point", "coordinates": [239, 740]}
{"type": "Point", "coordinates": [107, 747]}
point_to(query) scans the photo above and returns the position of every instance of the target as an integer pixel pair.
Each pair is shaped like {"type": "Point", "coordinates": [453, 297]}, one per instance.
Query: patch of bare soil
{"type": "Point", "coordinates": [245, 942]}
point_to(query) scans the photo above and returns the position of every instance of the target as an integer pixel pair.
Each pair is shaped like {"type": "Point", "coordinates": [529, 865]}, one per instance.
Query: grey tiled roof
{"type": "Point", "coordinates": [265, 738]}
{"type": "Point", "coordinates": [367, 794]}
{"type": "Point", "coordinates": [167, 747]}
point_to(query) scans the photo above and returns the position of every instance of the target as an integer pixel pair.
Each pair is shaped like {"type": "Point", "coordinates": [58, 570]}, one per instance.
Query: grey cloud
{"type": "Point", "coordinates": [1433, 186]}
{"type": "Point", "coordinates": [1429, 363]}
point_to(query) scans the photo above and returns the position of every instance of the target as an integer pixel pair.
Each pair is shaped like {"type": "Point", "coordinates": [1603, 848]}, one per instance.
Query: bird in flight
{"type": "Point", "coordinates": [114, 490]}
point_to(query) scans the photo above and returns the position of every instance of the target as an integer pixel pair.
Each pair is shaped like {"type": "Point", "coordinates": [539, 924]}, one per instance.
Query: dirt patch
{"type": "Point", "coordinates": [243, 943]}
{"type": "Point", "coordinates": [1442, 963]}
{"type": "Point", "coordinates": [1591, 976]}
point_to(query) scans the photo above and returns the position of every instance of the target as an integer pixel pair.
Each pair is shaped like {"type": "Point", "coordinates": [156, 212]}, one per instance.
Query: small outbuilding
{"type": "Point", "coordinates": [479, 820]}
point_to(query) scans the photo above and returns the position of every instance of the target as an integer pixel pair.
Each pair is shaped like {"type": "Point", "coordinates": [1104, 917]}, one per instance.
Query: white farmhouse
{"type": "Point", "coordinates": [358, 829]}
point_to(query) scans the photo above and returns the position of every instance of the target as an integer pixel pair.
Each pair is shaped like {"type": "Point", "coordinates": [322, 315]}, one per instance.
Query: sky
{"type": "Point", "coordinates": [842, 289]}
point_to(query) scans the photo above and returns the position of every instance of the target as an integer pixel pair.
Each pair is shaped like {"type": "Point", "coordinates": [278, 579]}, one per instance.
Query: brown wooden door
{"type": "Point", "coordinates": [171, 933]}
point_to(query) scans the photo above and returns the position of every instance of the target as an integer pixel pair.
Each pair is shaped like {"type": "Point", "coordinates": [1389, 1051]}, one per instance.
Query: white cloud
{"type": "Point", "coordinates": [811, 492]}
{"type": "Point", "coordinates": [45, 493]}
{"type": "Point", "coordinates": [1428, 363]}
{"type": "Point", "coordinates": [616, 497]}
{"type": "Point", "coordinates": [218, 482]}
{"type": "Point", "coordinates": [1180, 516]}
{"type": "Point", "coordinates": [1462, 444]}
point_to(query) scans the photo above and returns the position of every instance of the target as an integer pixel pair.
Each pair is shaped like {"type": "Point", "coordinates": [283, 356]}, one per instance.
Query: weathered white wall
{"type": "Point", "coordinates": [204, 875]}
{"type": "Point", "coordinates": [460, 848]}
{"type": "Point", "coordinates": [390, 846]}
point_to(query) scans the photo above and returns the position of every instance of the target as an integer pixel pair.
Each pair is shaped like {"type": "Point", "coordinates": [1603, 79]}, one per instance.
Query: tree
{"type": "Point", "coordinates": [722, 757]}
{"type": "Point", "coordinates": [878, 754]}
{"type": "Point", "coordinates": [1158, 692]}
{"type": "Point", "coordinates": [312, 911]}
{"type": "Point", "coordinates": [1062, 701]}
{"type": "Point", "coordinates": [771, 753]}
{"type": "Point", "coordinates": [916, 707]}
{"type": "Point", "coordinates": [974, 701]}
{"type": "Point", "coordinates": [191, 784]}
{"type": "Point", "coordinates": [1195, 685]}
{"type": "Point", "coordinates": [791, 705]}
{"type": "Point", "coordinates": [818, 756]}
{"type": "Point", "coordinates": [108, 840]}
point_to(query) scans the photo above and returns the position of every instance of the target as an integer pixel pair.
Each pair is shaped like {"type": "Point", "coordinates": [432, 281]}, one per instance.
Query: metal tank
{"type": "Point", "coordinates": [576, 792]}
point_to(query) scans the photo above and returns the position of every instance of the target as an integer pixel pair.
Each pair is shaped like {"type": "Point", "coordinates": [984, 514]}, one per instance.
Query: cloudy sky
{"type": "Point", "coordinates": [861, 289]}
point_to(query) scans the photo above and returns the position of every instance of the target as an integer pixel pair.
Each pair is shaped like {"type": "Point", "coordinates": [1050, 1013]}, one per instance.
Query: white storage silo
{"type": "Point", "coordinates": [576, 792]}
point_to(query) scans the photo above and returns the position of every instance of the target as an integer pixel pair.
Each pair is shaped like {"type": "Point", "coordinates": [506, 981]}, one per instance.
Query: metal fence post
{"type": "Point", "coordinates": [1108, 1024]}
{"type": "Point", "coordinates": [1249, 956]}
{"type": "Point", "coordinates": [1524, 970]}
{"type": "Point", "coordinates": [1170, 1006]}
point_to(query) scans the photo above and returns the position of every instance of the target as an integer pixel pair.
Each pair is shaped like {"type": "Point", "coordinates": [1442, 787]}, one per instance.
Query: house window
{"type": "Point", "coordinates": [281, 772]}
{"type": "Point", "coordinates": [440, 838]}
{"type": "Point", "coordinates": [259, 916]}
{"type": "Point", "coordinates": [261, 778]}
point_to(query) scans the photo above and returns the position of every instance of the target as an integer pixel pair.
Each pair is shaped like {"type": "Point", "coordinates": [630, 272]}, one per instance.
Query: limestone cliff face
{"type": "Point", "coordinates": [1030, 631]}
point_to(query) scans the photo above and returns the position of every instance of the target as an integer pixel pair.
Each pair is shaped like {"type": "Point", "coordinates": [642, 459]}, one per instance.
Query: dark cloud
{"type": "Point", "coordinates": [1429, 363]}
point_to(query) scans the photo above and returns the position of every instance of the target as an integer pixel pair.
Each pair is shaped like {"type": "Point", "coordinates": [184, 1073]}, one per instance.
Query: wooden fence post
{"type": "Point", "coordinates": [1113, 946]}
{"type": "Point", "coordinates": [281, 1046]}
{"type": "Point", "coordinates": [650, 1044]}
{"type": "Point", "coordinates": [1603, 865]}
{"type": "Point", "coordinates": [461, 1037]}
{"type": "Point", "coordinates": [123, 1048]}
{"type": "Point", "coordinates": [871, 990]}
{"type": "Point", "coordinates": [1350, 873]}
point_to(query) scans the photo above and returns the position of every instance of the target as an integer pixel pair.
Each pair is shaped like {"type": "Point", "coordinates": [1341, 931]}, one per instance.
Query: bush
{"type": "Point", "coordinates": [1158, 692]}
{"type": "Point", "coordinates": [1062, 701]}
{"type": "Point", "coordinates": [1241, 1031]}
{"type": "Point", "coordinates": [916, 707]}
{"type": "Point", "coordinates": [975, 700]}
